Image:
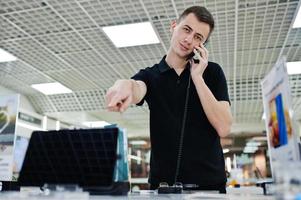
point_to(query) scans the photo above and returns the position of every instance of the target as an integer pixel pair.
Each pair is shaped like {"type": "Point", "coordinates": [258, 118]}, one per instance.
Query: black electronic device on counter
{"type": "Point", "coordinates": [83, 157]}
{"type": "Point", "coordinates": [176, 188]}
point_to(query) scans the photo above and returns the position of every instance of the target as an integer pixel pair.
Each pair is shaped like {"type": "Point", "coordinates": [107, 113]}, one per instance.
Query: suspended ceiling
{"type": "Point", "coordinates": [63, 41]}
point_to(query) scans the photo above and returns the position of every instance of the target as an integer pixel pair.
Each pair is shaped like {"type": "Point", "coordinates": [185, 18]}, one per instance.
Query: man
{"type": "Point", "coordinates": [193, 156]}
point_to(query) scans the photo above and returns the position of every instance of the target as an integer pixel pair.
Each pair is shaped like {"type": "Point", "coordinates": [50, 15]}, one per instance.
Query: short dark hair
{"type": "Point", "coordinates": [202, 14]}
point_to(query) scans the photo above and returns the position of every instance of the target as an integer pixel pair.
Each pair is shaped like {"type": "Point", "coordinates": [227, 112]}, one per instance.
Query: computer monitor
{"type": "Point", "coordinates": [85, 157]}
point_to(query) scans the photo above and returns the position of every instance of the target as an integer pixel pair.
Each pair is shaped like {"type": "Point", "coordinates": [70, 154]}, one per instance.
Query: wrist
{"type": "Point", "coordinates": [120, 82]}
{"type": "Point", "coordinates": [133, 89]}
{"type": "Point", "coordinates": [197, 78]}
{"type": "Point", "coordinates": [133, 83]}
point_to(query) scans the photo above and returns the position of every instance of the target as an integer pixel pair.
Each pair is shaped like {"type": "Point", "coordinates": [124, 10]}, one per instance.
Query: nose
{"type": "Point", "coordinates": [189, 38]}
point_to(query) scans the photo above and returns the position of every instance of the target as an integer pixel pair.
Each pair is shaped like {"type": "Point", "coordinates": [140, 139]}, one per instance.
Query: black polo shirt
{"type": "Point", "coordinates": [202, 160]}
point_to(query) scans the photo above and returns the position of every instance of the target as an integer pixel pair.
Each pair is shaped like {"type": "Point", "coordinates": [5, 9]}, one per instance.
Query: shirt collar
{"type": "Point", "coordinates": [163, 66]}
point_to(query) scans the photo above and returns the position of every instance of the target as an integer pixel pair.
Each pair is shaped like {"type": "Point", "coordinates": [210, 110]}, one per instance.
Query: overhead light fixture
{"type": "Point", "coordinates": [226, 150]}
{"type": "Point", "coordinates": [297, 21]}
{"type": "Point", "coordinates": [57, 125]}
{"type": "Point", "coordinates": [263, 116]}
{"type": "Point", "coordinates": [24, 125]}
{"type": "Point", "coordinates": [253, 144]}
{"type": "Point", "coordinates": [228, 164]}
{"type": "Point", "coordinates": [6, 56]}
{"type": "Point", "coordinates": [51, 88]}
{"type": "Point", "coordinates": [138, 142]}
{"type": "Point", "coordinates": [250, 149]}
{"type": "Point", "coordinates": [45, 122]}
{"type": "Point", "coordinates": [293, 67]}
{"type": "Point", "coordinates": [259, 138]}
{"type": "Point", "coordinates": [135, 157]}
{"type": "Point", "coordinates": [131, 34]}
{"type": "Point", "coordinates": [96, 124]}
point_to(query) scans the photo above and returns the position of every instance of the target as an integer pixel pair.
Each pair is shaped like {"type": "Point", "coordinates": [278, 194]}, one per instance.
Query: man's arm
{"type": "Point", "coordinates": [124, 93]}
{"type": "Point", "coordinates": [217, 112]}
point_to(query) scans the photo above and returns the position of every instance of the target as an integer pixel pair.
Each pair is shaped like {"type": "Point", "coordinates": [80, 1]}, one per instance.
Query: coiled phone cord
{"type": "Point", "coordinates": [182, 131]}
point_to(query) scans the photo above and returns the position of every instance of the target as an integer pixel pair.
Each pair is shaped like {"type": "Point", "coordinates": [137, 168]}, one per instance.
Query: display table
{"type": "Point", "coordinates": [233, 194]}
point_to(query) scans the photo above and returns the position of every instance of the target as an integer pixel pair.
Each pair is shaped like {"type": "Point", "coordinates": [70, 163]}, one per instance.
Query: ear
{"type": "Point", "coordinates": [173, 24]}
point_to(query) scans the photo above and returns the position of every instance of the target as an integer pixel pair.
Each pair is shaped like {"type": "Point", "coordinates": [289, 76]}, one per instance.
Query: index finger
{"type": "Point", "coordinates": [114, 101]}
{"type": "Point", "coordinates": [203, 51]}
{"type": "Point", "coordinates": [108, 97]}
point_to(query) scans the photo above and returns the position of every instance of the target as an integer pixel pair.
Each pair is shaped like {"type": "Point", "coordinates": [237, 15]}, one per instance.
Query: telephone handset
{"type": "Point", "coordinates": [193, 56]}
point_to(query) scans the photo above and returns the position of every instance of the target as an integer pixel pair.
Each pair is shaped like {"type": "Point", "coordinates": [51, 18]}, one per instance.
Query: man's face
{"type": "Point", "coordinates": [190, 32]}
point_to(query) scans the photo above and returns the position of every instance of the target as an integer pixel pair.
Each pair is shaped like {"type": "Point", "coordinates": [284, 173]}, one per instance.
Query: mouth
{"type": "Point", "coordinates": [184, 48]}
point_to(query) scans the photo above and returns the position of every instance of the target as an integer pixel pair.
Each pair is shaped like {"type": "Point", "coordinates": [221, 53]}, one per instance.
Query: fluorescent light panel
{"type": "Point", "coordinates": [51, 88]}
{"type": "Point", "coordinates": [6, 56]}
{"type": "Point", "coordinates": [297, 22]}
{"type": "Point", "coordinates": [131, 34]}
{"type": "Point", "coordinates": [293, 67]}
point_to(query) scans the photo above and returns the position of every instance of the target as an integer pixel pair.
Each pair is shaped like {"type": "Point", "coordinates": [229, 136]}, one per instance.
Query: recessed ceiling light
{"type": "Point", "coordinates": [297, 21]}
{"type": "Point", "coordinates": [96, 124]}
{"type": "Point", "coordinates": [6, 56]}
{"type": "Point", "coordinates": [51, 88]}
{"type": "Point", "coordinates": [131, 34]}
{"type": "Point", "coordinates": [294, 67]}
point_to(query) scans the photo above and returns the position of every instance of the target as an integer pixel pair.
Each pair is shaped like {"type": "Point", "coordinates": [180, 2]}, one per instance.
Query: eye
{"type": "Point", "coordinates": [198, 38]}
{"type": "Point", "coordinates": [187, 30]}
